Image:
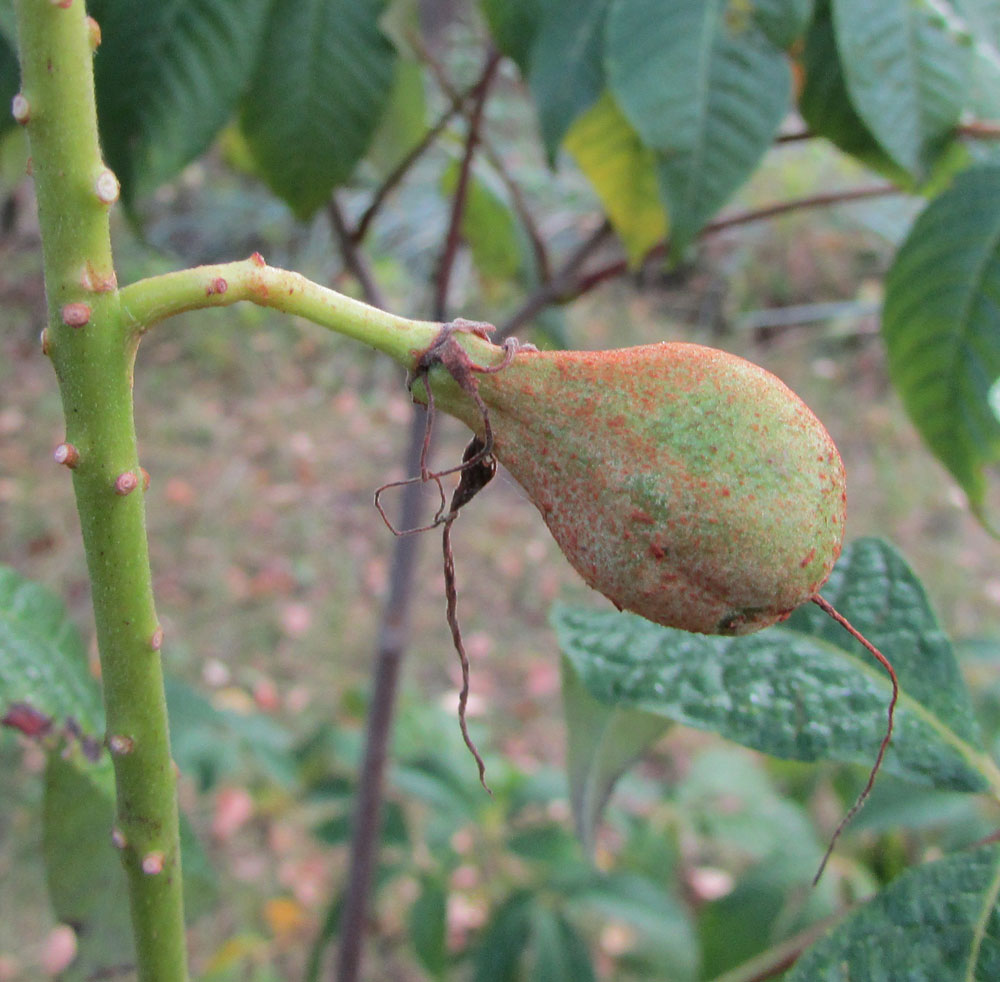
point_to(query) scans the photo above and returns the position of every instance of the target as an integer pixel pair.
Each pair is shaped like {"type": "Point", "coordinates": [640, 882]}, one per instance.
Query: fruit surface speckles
{"type": "Point", "coordinates": [684, 483]}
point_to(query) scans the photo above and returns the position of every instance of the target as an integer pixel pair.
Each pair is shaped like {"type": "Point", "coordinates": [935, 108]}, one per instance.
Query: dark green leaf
{"type": "Point", "coordinates": [905, 72]}
{"type": "Point", "coordinates": [937, 923]}
{"type": "Point", "coordinates": [404, 121]}
{"type": "Point", "coordinates": [940, 324]}
{"type": "Point", "coordinates": [10, 81]}
{"type": "Point", "coordinates": [514, 24]}
{"type": "Point", "coordinates": [602, 742]}
{"type": "Point", "coordinates": [783, 21]}
{"type": "Point", "coordinates": [43, 662]}
{"type": "Point", "coordinates": [428, 926]}
{"type": "Point", "coordinates": [169, 75]}
{"type": "Point", "coordinates": [498, 954]}
{"type": "Point", "coordinates": [567, 74]}
{"type": "Point", "coordinates": [558, 953]}
{"type": "Point", "coordinates": [701, 84]}
{"type": "Point", "coordinates": [317, 96]}
{"type": "Point", "coordinates": [804, 690]}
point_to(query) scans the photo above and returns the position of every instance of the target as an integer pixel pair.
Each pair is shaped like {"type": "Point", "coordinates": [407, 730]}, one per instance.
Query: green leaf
{"type": "Point", "coordinates": [936, 923]}
{"type": "Point", "coordinates": [10, 81]}
{"type": "Point", "coordinates": [317, 96]}
{"type": "Point", "coordinates": [622, 172]}
{"type": "Point", "coordinates": [43, 661]}
{"type": "Point", "coordinates": [979, 30]}
{"type": "Point", "coordinates": [567, 74]}
{"type": "Point", "coordinates": [905, 72]}
{"type": "Point", "coordinates": [498, 954]}
{"type": "Point", "coordinates": [804, 690]}
{"type": "Point", "coordinates": [489, 225]}
{"type": "Point", "coordinates": [85, 876]}
{"type": "Point", "coordinates": [783, 21]}
{"type": "Point", "coordinates": [514, 24]}
{"type": "Point", "coordinates": [428, 926]}
{"type": "Point", "coordinates": [940, 324]}
{"type": "Point", "coordinates": [404, 121]}
{"type": "Point", "coordinates": [602, 743]}
{"type": "Point", "coordinates": [168, 77]}
{"type": "Point", "coordinates": [703, 86]}
{"type": "Point", "coordinates": [558, 952]}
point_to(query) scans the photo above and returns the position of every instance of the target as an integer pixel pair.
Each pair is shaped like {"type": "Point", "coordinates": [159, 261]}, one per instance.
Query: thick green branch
{"type": "Point", "coordinates": [92, 359]}
{"type": "Point", "coordinates": [149, 301]}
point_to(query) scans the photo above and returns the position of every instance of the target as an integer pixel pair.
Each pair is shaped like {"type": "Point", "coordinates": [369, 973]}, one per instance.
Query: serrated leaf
{"type": "Point", "coordinates": [783, 21]}
{"type": "Point", "coordinates": [936, 923]}
{"type": "Point", "coordinates": [622, 172]}
{"type": "Point", "coordinates": [940, 323]}
{"type": "Point", "coordinates": [514, 24]}
{"type": "Point", "coordinates": [602, 743]}
{"type": "Point", "coordinates": [704, 87]}
{"type": "Point", "coordinates": [567, 75]}
{"type": "Point", "coordinates": [428, 926]}
{"type": "Point", "coordinates": [905, 72]}
{"type": "Point", "coordinates": [317, 96]}
{"type": "Point", "coordinates": [43, 661]}
{"type": "Point", "coordinates": [802, 690]}
{"type": "Point", "coordinates": [558, 953]}
{"type": "Point", "coordinates": [86, 880]}
{"type": "Point", "coordinates": [168, 76]}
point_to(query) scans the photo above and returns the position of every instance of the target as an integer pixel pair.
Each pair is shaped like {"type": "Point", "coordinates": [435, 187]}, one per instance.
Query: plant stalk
{"type": "Point", "coordinates": [93, 363]}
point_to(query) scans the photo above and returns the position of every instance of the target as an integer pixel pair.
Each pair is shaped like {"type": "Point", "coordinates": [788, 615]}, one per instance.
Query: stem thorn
{"type": "Point", "coordinates": [120, 746]}
{"type": "Point", "coordinates": [93, 33]}
{"type": "Point", "coordinates": [152, 863]}
{"type": "Point", "coordinates": [67, 455]}
{"type": "Point", "coordinates": [20, 109]}
{"type": "Point", "coordinates": [257, 259]}
{"type": "Point", "coordinates": [126, 483]}
{"type": "Point", "coordinates": [118, 839]}
{"type": "Point", "coordinates": [75, 314]}
{"type": "Point", "coordinates": [44, 338]}
{"type": "Point", "coordinates": [156, 641]}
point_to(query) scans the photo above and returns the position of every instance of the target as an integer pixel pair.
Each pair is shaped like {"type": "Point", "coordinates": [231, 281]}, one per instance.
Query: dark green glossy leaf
{"type": "Point", "coordinates": [940, 324]}
{"type": "Point", "coordinates": [567, 73]}
{"type": "Point", "coordinates": [937, 923]}
{"type": "Point", "coordinates": [169, 74]}
{"type": "Point", "coordinates": [804, 690]}
{"type": "Point", "coordinates": [703, 85]}
{"type": "Point", "coordinates": [906, 74]}
{"type": "Point", "coordinates": [317, 96]}
{"type": "Point", "coordinates": [558, 953]}
{"type": "Point", "coordinates": [602, 743]}
{"type": "Point", "coordinates": [498, 954]}
{"type": "Point", "coordinates": [783, 21]}
{"type": "Point", "coordinates": [43, 662]}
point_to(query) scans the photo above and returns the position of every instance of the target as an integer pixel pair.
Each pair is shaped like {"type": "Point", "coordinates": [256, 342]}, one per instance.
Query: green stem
{"type": "Point", "coordinates": [92, 358]}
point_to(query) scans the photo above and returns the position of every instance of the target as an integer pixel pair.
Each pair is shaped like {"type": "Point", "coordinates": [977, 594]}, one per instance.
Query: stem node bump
{"type": "Point", "coordinates": [75, 314]}
{"type": "Point", "coordinates": [120, 746]}
{"type": "Point", "coordinates": [257, 259]}
{"type": "Point", "coordinates": [107, 188]}
{"type": "Point", "coordinates": [152, 863]}
{"type": "Point", "coordinates": [67, 455]}
{"type": "Point", "coordinates": [118, 839]}
{"type": "Point", "coordinates": [20, 109]}
{"type": "Point", "coordinates": [93, 33]}
{"type": "Point", "coordinates": [126, 483]}
{"type": "Point", "coordinates": [216, 286]}
{"type": "Point", "coordinates": [156, 641]}
{"type": "Point", "coordinates": [44, 339]}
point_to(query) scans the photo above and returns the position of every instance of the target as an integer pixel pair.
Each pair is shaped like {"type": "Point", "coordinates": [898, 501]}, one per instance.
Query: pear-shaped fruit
{"type": "Point", "coordinates": [682, 482]}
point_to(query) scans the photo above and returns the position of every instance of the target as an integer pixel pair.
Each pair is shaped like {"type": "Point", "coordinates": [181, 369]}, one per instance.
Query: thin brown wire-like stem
{"type": "Point", "coordinates": [829, 609]}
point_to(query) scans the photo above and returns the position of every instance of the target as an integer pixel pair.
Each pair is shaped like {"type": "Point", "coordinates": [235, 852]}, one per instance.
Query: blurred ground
{"type": "Point", "coordinates": [265, 440]}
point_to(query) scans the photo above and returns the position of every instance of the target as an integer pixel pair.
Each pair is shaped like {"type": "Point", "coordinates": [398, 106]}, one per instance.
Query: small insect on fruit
{"type": "Point", "coordinates": [684, 483]}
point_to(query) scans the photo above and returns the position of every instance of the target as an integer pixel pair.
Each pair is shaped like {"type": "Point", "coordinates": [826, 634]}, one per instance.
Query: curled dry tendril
{"type": "Point", "coordinates": [477, 469]}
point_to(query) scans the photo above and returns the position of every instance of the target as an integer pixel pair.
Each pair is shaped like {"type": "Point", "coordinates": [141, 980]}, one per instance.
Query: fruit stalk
{"type": "Point", "coordinates": [87, 343]}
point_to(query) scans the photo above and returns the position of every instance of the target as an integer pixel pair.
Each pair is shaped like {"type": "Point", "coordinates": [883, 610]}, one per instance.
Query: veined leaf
{"type": "Point", "coordinates": [168, 77]}
{"type": "Point", "coordinates": [936, 923]}
{"type": "Point", "coordinates": [702, 86]}
{"type": "Point", "coordinates": [558, 952]}
{"type": "Point", "coordinates": [804, 690]}
{"type": "Point", "coordinates": [906, 74]}
{"type": "Point", "coordinates": [43, 662]}
{"type": "Point", "coordinates": [623, 173]}
{"type": "Point", "coordinates": [317, 96]}
{"type": "Point", "coordinates": [566, 73]}
{"type": "Point", "coordinates": [979, 27]}
{"type": "Point", "coordinates": [941, 324]}
{"type": "Point", "coordinates": [602, 742]}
